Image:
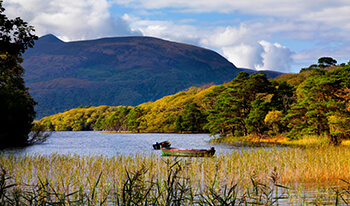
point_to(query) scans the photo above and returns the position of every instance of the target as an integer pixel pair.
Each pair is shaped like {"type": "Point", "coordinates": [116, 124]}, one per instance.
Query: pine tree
{"type": "Point", "coordinates": [320, 101]}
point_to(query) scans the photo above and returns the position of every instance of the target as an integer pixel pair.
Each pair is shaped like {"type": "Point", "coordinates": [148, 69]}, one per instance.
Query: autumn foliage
{"type": "Point", "coordinates": [312, 102]}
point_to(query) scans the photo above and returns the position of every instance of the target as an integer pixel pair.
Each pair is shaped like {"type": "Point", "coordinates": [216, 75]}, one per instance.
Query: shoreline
{"type": "Point", "coordinates": [307, 141]}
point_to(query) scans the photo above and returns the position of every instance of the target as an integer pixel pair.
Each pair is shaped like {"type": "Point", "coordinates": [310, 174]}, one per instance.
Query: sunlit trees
{"type": "Point", "coordinates": [273, 121]}
{"type": "Point", "coordinates": [134, 119]}
{"type": "Point", "coordinates": [248, 105]}
{"type": "Point", "coordinates": [16, 104]}
{"type": "Point", "coordinates": [240, 108]}
{"type": "Point", "coordinates": [118, 121]}
{"type": "Point", "coordinates": [79, 119]}
{"type": "Point", "coordinates": [320, 105]}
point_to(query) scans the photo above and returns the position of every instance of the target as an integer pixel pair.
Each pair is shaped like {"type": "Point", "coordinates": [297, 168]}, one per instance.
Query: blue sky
{"type": "Point", "coordinates": [280, 35]}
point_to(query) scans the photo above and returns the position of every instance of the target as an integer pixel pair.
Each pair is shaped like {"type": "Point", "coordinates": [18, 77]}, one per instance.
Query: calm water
{"type": "Point", "coordinates": [110, 144]}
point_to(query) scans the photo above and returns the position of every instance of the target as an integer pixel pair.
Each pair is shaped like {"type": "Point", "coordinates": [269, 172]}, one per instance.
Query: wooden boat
{"type": "Point", "coordinates": [170, 151]}
{"type": "Point", "coordinates": [164, 144]}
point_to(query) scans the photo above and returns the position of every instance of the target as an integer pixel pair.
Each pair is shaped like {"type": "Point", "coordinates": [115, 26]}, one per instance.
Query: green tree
{"type": "Point", "coordinates": [212, 102]}
{"type": "Point", "coordinates": [118, 121]}
{"type": "Point", "coordinates": [319, 98]}
{"type": "Point", "coordinates": [255, 120]}
{"type": "Point", "coordinates": [178, 123]}
{"type": "Point", "coordinates": [220, 120]}
{"type": "Point", "coordinates": [232, 106]}
{"type": "Point", "coordinates": [16, 105]}
{"type": "Point", "coordinates": [193, 119]}
{"type": "Point", "coordinates": [134, 119]}
{"type": "Point", "coordinates": [284, 96]}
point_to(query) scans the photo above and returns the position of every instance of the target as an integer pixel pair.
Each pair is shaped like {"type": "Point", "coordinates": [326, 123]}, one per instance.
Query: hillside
{"type": "Point", "coordinates": [316, 106]}
{"type": "Point", "coordinates": [117, 71]}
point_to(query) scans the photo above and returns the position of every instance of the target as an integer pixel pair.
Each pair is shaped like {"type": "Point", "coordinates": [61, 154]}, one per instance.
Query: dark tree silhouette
{"type": "Point", "coordinates": [16, 104]}
{"type": "Point", "coordinates": [326, 62]}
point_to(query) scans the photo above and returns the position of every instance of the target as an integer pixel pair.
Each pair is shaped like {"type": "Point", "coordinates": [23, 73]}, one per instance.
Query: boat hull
{"type": "Point", "coordinates": [188, 152]}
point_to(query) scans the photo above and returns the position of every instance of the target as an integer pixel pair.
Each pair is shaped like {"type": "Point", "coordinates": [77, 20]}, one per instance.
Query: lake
{"type": "Point", "coordinates": [110, 144]}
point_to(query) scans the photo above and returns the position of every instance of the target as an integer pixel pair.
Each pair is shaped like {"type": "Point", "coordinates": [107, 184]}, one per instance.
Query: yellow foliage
{"type": "Point", "coordinates": [161, 115]}
{"type": "Point", "coordinates": [77, 119]}
{"type": "Point", "coordinates": [272, 119]}
{"type": "Point", "coordinates": [336, 124]}
{"type": "Point", "coordinates": [293, 79]}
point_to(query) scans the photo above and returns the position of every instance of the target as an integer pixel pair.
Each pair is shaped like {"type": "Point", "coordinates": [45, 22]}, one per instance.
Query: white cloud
{"type": "Point", "coordinates": [243, 47]}
{"type": "Point", "coordinates": [296, 18]}
{"type": "Point", "coordinates": [275, 57]}
{"type": "Point", "coordinates": [226, 36]}
{"type": "Point", "coordinates": [261, 55]}
{"type": "Point", "coordinates": [331, 16]}
{"type": "Point", "coordinates": [239, 44]}
{"type": "Point", "coordinates": [71, 20]}
{"type": "Point", "coordinates": [169, 30]}
{"type": "Point", "coordinates": [244, 55]}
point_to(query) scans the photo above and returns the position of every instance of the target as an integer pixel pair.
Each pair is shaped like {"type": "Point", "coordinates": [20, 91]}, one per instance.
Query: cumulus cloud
{"type": "Point", "coordinates": [229, 35]}
{"type": "Point", "coordinates": [244, 55]}
{"type": "Point", "coordinates": [243, 47]}
{"type": "Point", "coordinates": [275, 57]}
{"type": "Point", "coordinates": [261, 55]}
{"type": "Point", "coordinates": [70, 20]}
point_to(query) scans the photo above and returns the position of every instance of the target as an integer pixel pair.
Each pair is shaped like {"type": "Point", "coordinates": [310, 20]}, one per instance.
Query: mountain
{"type": "Point", "coordinates": [117, 71]}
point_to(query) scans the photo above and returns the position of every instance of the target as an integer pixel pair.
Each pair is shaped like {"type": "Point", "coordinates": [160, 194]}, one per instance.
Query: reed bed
{"type": "Point", "coordinates": [156, 180]}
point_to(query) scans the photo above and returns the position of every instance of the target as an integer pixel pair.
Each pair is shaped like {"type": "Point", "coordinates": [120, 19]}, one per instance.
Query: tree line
{"type": "Point", "coordinates": [312, 102]}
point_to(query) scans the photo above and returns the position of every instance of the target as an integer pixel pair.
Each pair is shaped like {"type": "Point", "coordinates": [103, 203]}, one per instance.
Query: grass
{"type": "Point", "coordinates": [256, 176]}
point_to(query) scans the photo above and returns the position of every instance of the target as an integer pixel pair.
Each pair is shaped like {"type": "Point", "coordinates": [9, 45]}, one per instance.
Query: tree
{"type": "Point", "coordinates": [178, 123]}
{"type": "Point", "coordinates": [324, 62]}
{"type": "Point", "coordinates": [273, 120]}
{"type": "Point", "coordinates": [321, 101]}
{"type": "Point", "coordinates": [230, 113]}
{"type": "Point", "coordinates": [192, 119]}
{"type": "Point", "coordinates": [16, 105]}
{"type": "Point", "coordinates": [284, 96]}
{"type": "Point", "coordinates": [118, 121]}
{"type": "Point", "coordinates": [134, 118]}
{"type": "Point", "coordinates": [255, 120]}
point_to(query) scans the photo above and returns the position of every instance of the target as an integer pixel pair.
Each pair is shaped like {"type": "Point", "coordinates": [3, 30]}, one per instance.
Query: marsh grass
{"type": "Point", "coordinates": [246, 177]}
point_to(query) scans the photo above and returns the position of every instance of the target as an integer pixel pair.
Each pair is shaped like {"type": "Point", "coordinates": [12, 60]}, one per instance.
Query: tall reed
{"type": "Point", "coordinates": [157, 180]}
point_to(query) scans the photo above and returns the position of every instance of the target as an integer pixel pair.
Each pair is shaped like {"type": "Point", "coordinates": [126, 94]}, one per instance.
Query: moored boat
{"type": "Point", "coordinates": [170, 151]}
{"type": "Point", "coordinates": [163, 144]}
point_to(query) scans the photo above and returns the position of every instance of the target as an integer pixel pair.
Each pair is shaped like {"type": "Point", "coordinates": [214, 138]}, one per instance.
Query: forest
{"type": "Point", "coordinates": [315, 101]}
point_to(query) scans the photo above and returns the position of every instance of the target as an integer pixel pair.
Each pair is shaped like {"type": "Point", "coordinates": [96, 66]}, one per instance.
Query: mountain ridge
{"type": "Point", "coordinates": [117, 71]}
